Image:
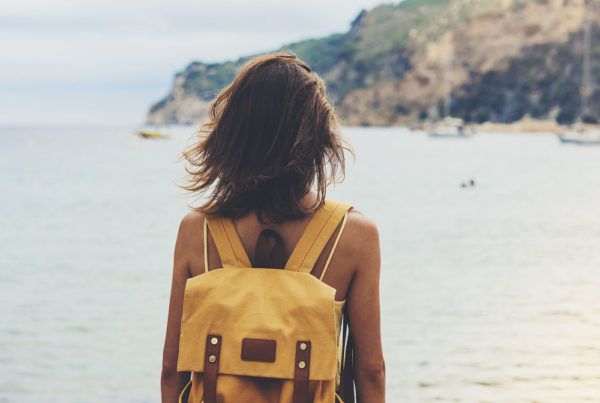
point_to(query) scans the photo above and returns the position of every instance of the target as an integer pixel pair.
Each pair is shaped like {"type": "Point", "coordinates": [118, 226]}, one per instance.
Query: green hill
{"type": "Point", "coordinates": [510, 58]}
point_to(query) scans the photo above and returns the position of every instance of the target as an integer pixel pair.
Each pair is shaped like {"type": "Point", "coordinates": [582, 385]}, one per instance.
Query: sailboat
{"type": "Point", "coordinates": [450, 127]}
{"type": "Point", "coordinates": [581, 132]}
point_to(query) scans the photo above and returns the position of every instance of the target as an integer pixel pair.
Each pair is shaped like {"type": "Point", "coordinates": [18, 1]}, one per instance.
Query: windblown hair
{"type": "Point", "coordinates": [271, 136]}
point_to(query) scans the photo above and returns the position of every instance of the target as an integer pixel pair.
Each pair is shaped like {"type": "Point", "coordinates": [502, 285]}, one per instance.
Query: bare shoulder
{"type": "Point", "coordinates": [191, 221]}
{"type": "Point", "coordinates": [362, 236]}
{"type": "Point", "coordinates": [361, 226]}
{"type": "Point", "coordinates": [190, 233]}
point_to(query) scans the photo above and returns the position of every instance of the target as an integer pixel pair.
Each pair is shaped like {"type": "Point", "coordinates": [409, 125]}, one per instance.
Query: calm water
{"type": "Point", "coordinates": [490, 294]}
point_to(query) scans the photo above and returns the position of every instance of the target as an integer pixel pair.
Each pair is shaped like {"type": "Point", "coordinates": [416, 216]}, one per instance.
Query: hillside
{"type": "Point", "coordinates": [510, 58]}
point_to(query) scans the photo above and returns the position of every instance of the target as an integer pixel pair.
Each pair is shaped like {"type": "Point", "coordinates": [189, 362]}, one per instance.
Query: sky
{"type": "Point", "coordinates": [104, 62]}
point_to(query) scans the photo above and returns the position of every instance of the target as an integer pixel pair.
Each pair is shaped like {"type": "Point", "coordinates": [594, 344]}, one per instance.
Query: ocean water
{"type": "Point", "coordinates": [489, 293]}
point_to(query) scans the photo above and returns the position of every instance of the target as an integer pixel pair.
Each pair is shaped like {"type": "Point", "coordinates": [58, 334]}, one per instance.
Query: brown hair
{"type": "Point", "coordinates": [271, 135]}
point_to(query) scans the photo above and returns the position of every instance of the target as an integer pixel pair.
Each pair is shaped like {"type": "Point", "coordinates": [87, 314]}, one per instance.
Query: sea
{"type": "Point", "coordinates": [489, 292]}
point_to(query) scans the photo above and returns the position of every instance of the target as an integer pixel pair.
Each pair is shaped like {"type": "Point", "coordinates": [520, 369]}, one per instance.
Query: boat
{"type": "Point", "coordinates": [581, 134]}
{"type": "Point", "coordinates": [585, 130]}
{"type": "Point", "coordinates": [152, 134]}
{"type": "Point", "coordinates": [449, 126]}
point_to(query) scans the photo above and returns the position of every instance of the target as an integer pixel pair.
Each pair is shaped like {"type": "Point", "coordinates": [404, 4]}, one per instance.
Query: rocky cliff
{"type": "Point", "coordinates": [503, 59]}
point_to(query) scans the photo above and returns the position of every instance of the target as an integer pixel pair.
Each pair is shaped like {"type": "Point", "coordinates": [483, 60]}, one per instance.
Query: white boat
{"type": "Point", "coordinates": [450, 127]}
{"type": "Point", "coordinates": [582, 135]}
{"type": "Point", "coordinates": [580, 132]}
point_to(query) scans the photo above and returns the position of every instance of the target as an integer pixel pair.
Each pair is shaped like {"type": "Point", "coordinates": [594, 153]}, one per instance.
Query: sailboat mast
{"type": "Point", "coordinates": [448, 80]}
{"type": "Point", "coordinates": [586, 85]}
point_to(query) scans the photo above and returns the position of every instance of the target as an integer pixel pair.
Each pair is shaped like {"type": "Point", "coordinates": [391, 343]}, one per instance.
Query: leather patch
{"type": "Point", "coordinates": [258, 350]}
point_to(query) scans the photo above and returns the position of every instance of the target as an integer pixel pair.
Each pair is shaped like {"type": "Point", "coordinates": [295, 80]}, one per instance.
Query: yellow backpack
{"type": "Point", "coordinates": [264, 335]}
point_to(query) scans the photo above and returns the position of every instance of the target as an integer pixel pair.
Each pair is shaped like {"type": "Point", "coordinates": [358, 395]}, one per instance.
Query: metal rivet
{"type": "Point", "coordinates": [302, 346]}
{"type": "Point", "coordinates": [301, 364]}
{"type": "Point", "coordinates": [214, 341]}
{"type": "Point", "coordinates": [212, 358]}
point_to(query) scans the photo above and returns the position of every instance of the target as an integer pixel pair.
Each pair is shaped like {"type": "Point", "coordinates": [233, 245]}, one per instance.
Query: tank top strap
{"type": "Point", "coordinates": [230, 247]}
{"type": "Point", "coordinates": [316, 235]}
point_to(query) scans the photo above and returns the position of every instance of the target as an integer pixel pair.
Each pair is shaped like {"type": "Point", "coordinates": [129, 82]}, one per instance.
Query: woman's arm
{"type": "Point", "coordinates": [172, 382]}
{"type": "Point", "coordinates": [363, 309]}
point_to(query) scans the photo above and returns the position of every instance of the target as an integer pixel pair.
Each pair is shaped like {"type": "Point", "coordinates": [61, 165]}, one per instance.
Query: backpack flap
{"type": "Point", "coordinates": [265, 322]}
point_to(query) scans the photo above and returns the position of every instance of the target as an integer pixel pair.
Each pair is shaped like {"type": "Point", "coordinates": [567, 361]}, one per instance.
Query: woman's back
{"type": "Point", "coordinates": [340, 269]}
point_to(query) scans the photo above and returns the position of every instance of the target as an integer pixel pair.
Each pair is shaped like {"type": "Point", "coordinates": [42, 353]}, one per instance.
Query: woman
{"type": "Point", "coordinates": [265, 158]}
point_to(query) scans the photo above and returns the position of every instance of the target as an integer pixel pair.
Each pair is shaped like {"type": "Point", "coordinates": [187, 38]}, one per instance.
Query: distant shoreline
{"type": "Point", "coordinates": [525, 125]}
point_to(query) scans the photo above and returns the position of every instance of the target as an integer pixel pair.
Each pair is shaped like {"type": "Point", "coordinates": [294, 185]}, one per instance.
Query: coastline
{"type": "Point", "coordinates": [524, 125]}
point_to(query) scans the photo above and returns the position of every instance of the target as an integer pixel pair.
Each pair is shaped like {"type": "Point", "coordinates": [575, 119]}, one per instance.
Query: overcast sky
{"type": "Point", "coordinates": [88, 62]}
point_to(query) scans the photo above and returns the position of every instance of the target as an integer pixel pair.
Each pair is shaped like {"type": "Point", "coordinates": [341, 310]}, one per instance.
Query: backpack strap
{"type": "Point", "coordinates": [230, 247]}
{"type": "Point", "coordinates": [316, 235]}
{"type": "Point", "coordinates": [347, 374]}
